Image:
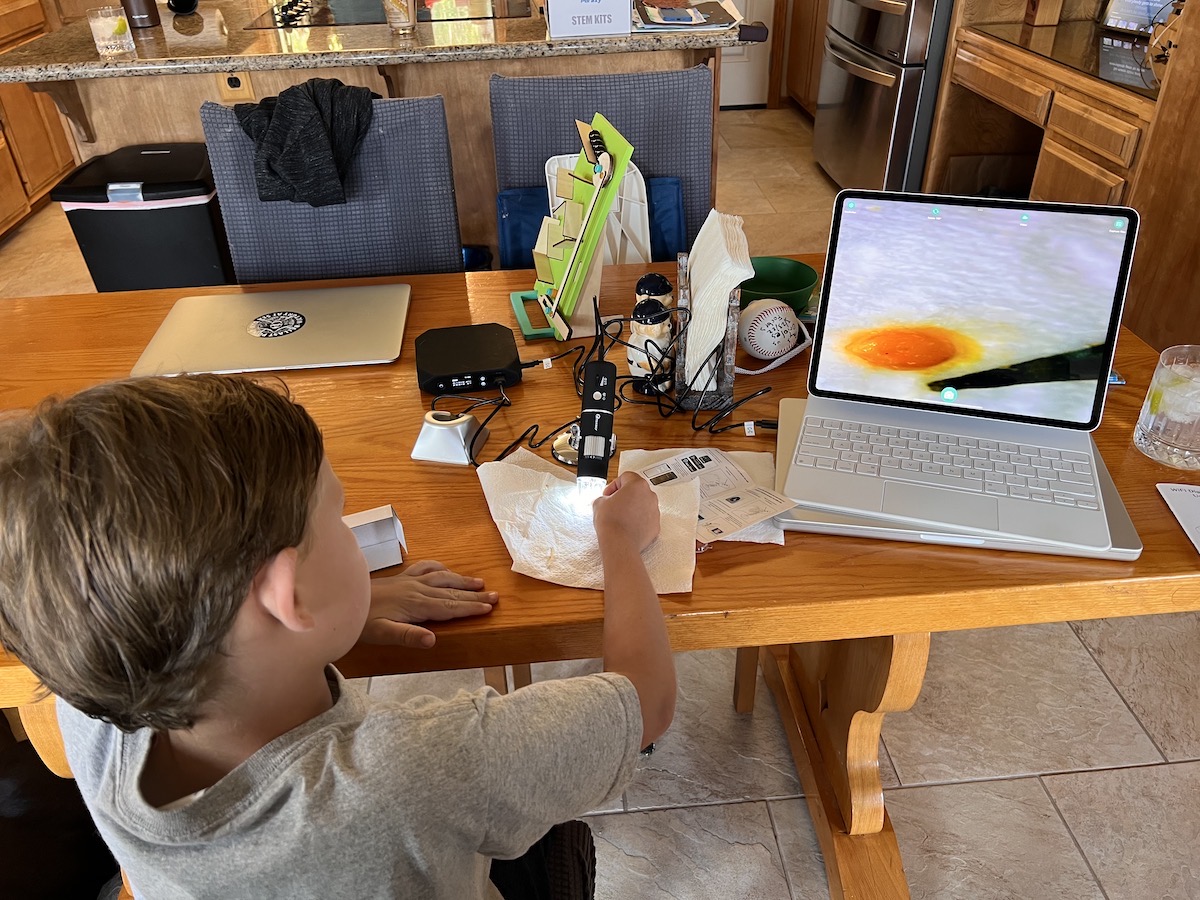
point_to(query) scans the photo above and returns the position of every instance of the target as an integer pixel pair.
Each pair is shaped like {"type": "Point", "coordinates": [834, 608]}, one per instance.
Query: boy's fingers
{"type": "Point", "coordinates": [446, 579]}
{"type": "Point", "coordinates": [387, 631]}
{"type": "Point", "coordinates": [424, 567]}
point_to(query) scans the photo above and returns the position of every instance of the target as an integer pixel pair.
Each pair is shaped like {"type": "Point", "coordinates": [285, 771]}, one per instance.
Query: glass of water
{"type": "Point", "coordinates": [1168, 429]}
{"type": "Point", "coordinates": [110, 31]}
{"type": "Point", "coordinates": [399, 16]}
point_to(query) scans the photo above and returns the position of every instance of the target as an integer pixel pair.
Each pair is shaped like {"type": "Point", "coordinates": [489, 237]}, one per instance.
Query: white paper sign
{"type": "Point", "coordinates": [588, 18]}
{"type": "Point", "coordinates": [1184, 500]}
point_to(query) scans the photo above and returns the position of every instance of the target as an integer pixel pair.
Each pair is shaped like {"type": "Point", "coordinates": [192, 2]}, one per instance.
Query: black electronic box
{"type": "Point", "coordinates": [467, 358]}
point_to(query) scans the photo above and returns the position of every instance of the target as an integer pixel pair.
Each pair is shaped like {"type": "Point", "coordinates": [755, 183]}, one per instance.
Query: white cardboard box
{"type": "Point", "coordinates": [588, 18]}
{"type": "Point", "coordinates": [380, 536]}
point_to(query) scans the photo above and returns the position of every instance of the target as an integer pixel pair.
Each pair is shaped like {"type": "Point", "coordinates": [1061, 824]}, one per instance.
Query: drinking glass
{"type": "Point", "coordinates": [399, 16]}
{"type": "Point", "coordinates": [1168, 429]}
{"type": "Point", "coordinates": [110, 31]}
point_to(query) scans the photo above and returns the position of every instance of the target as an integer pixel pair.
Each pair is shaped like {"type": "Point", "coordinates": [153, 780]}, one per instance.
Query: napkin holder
{"type": "Point", "coordinates": [719, 392]}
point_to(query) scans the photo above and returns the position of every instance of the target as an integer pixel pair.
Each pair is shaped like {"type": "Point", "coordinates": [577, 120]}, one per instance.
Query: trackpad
{"type": "Point", "coordinates": [915, 501]}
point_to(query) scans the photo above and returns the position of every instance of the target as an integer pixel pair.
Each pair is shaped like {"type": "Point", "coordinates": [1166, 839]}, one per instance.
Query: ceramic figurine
{"type": "Point", "coordinates": [650, 335]}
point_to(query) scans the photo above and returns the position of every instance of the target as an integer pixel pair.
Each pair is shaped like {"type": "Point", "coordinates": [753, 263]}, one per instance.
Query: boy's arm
{"type": "Point", "coordinates": [635, 635]}
{"type": "Point", "coordinates": [425, 591]}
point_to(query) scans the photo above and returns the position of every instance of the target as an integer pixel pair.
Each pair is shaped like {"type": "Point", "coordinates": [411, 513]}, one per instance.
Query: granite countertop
{"type": "Point", "coordinates": [215, 39]}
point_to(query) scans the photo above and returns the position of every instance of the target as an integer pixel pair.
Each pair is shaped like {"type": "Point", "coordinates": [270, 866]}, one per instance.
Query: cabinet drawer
{"type": "Point", "coordinates": [18, 19]}
{"type": "Point", "coordinates": [1110, 137]}
{"type": "Point", "coordinates": [1064, 175]}
{"type": "Point", "coordinates": [1027, 98]}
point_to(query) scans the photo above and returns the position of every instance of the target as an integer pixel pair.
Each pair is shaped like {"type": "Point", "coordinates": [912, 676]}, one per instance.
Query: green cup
{"type": "Point", "coordinates": [780, 278]}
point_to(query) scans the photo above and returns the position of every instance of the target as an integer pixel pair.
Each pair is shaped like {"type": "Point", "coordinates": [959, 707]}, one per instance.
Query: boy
{"type": "Point", "coordinates": [173, 562]}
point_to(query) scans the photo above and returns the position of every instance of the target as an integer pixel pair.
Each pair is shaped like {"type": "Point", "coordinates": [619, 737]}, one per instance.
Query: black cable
{"type": "Point", "coordinates": [538, 362]}
{"type": "Point", "coordinates": [500, 402]}
{"type": "Point", "coordinates": [530, 433]}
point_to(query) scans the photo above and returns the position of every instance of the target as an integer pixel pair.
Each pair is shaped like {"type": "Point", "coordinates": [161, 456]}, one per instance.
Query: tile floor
{"type": "Point", "coordinates": [1043, 762]}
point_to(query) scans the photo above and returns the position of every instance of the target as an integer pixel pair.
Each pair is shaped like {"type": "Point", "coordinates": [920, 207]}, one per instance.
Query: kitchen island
{"type": "Point", "coordinates": [223, 53]}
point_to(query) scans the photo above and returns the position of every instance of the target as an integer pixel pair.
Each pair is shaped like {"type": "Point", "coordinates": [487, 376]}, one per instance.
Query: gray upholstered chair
{"type": "Point", "coordinates": [667, 117]}
{"type": "Point", "coordinates": [399, 217]}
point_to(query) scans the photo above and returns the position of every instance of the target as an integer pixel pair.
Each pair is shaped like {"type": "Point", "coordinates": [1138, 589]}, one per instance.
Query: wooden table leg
{"type": "Point", "coordinates": [522, 675]}
{"type": "Point", "coordinates": [832, 697]}
{"type": "Point", "coordinates": [745, 678]}
{"type": "Point", "coordinates": [496, 677]}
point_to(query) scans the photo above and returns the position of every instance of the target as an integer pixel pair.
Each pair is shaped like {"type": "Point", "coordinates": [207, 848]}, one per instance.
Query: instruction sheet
{"type": "Point", "coordinates": [729, 498]}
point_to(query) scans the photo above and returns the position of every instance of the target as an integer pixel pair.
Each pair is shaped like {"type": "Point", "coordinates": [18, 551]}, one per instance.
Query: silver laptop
{"type": "Point", "coordinates": [334, 326]}
{"type": "Point", "coordinates": [960, 358]}
{"type": "Point", "coordinates": [1126, 544]}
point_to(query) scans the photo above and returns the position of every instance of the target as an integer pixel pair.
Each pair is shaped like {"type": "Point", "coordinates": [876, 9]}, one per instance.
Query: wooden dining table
{"type": "Point", "coordinates": [840, 626]}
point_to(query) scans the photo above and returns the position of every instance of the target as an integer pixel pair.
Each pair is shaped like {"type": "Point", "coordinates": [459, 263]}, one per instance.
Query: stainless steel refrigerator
{"type": "Point", "coordinates": [878, 90]}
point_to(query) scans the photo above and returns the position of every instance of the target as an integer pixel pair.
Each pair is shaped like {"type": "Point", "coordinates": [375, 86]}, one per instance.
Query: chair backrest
{"type": "Point", "coordinates": [20, 690]}
{"type": "Point", "coordinates": [667, 117]}
{"type": "Point", "coordinates": [399, 217]}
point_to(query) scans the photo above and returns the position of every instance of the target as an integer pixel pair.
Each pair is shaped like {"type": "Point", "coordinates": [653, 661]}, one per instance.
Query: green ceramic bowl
{"type": "Point", "coordinates": [781, 279]}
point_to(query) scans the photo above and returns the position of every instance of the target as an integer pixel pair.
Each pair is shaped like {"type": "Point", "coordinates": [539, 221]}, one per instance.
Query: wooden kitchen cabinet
{"type": "Point", "coordinates": [13, 203]}
{"type": "Point", "coordinates": [35, 152]}
{"type": "Point", "coordinates": [1089, 133]}
{"type": "Point", "coordinates": [35, 137]}
{"type": "Point", "coordinates": [806, 51]}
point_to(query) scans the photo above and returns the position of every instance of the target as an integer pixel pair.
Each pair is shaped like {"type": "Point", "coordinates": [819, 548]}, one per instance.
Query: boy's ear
{"type": "Point", "coordinates": [274, 589]}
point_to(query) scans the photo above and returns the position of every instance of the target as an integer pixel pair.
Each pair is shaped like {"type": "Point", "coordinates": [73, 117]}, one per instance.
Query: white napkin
{"type": "Point", "coordinates": [718, 262]}
{"type": "Point", "coordinates": [549, 533]}
{"type": "Point", "coordinates": [760, 466]}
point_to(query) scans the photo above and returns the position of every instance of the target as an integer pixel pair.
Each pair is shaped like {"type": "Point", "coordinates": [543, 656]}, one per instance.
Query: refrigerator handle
{"type": "Point", "coordinates": [891, 7]}
{"type": "Point", "coordinates": [886, 79]}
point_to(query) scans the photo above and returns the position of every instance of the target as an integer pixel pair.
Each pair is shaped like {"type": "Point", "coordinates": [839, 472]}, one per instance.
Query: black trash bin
{"type": "Point", "coordinates": [147, 217]}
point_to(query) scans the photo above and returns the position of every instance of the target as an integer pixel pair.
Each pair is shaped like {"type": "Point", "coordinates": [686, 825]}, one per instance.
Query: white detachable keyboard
{"type": "Point", "coordinates": [1022, 471]}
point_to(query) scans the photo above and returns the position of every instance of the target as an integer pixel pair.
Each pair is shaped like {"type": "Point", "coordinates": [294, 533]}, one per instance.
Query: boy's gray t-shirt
{"type": "Point", "coordinates": [369, 799]}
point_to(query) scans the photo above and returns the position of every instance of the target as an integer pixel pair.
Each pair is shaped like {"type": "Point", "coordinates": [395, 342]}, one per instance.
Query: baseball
{"type": "Point", "coordinates": [767, 329]}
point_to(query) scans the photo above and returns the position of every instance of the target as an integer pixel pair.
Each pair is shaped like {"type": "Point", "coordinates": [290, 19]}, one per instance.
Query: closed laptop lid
{"type": "Point", "coordinates": [1000, 309]}
{"type": "Point", "coordinates": [334, 326]}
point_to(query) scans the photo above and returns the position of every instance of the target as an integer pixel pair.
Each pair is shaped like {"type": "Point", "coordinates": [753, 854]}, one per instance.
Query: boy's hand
{"type": "Point", "coordinates": [425, 591]}
{"type": "Point", "coordinates": [627, 511]}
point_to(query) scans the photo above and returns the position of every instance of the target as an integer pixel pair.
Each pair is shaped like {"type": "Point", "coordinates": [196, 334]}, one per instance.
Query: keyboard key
{"type": "Point", "coordinates": [1064, 500]}
{"type": "Point", "coordinates": [1014, 479]}
{"type": "Point", "coordinates": [844, 465]}
{"type": "Point", "coordinates": [1008, 448]}
{"type": "Point", "coordinates": [973, 474]}
{"type": "Point", "coordinates": [1021, 493]}
{"type": "Point", "coordinates": [824, 462]}
{"type": "Point", "coordinates": [841, 445]}
{"type": "Point", "coordinates": [803, 459]}
{"type": "Point", "coordinates": [866, 469]}
{"type": "Point", "coordinates": [1087, 504]}
{"type": "Point", "coordinates": [810, 440]}
{"type": "Point", "coordinates": [989, 445]}
{"type": "Point", "coordinates": [968, 442]}
{"type": "Point", "coordinates": [922, 456]}
{"type": "Point", "coordinates": [927, 436]}
{"type": "Point", "coordinates": [1074, 456]}
{"type": "Point", "coordinates": [1049, 453]}
{"type": "Point", "coordinates": [1041, 496]}
{"type": "Point", "coordinates": [997, 489]}
{"type": "Point", "coordinates": [1004, 468]}
{"type": "Point", "coordinates": [931, 468]}
{"type": "Point", "coordinates": [1027, 450]}
{"type": "Point", "coordinates": [908, 434]}
{"type": "Point", "coordinates": [889, 463]}
{"type": "Point", "coordinates": [888, 430]}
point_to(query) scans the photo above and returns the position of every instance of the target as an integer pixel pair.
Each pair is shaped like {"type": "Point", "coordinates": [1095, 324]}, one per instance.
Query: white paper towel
{"type": "Point", "coordinates": [718, 262]}
{"type": "Point", "coordinates": [550, 535]}
{"type": "Point", "coordinates": [760, 466]}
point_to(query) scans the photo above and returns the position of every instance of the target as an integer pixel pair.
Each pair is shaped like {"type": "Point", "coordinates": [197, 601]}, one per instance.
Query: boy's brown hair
{"type": "Point", "coordinates": [135, 517]}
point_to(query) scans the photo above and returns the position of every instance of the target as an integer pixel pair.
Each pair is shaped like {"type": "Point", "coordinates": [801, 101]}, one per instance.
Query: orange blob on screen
{"type": "Point", "coordinates": [906, 348]}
